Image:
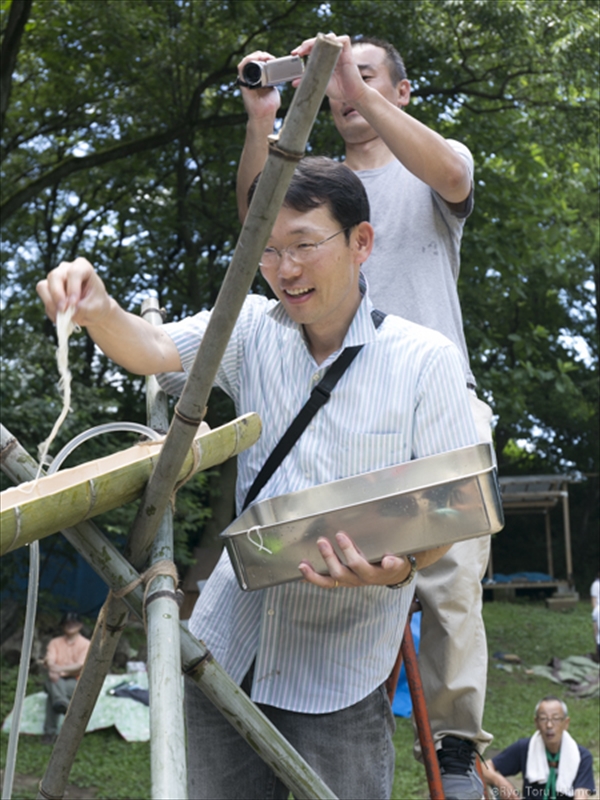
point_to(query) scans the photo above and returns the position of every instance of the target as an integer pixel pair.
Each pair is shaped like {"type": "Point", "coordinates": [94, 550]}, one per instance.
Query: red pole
{"type": "Point", "coordinates": [392, 682]}
{"type": "Point", "coordinates": [421, 717]}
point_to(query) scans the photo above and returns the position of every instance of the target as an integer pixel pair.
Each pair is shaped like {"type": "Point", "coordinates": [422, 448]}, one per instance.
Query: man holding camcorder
{"type": "Point", "coordinates": [420, 189]}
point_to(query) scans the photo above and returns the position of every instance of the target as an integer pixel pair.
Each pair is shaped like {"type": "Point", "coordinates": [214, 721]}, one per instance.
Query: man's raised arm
{"type": "Point", "coordinates": [125, 338]}
{"type": "Point", "coordinates": [356, 84]}
{"type": "Point", "coordinates": [261, 106]}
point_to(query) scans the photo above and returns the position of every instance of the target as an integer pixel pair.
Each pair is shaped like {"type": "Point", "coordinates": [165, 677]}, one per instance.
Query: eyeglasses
{"type": "Point", "coordinates": [553, 720]}
{"type": "Point", "coordinates": [299, 252]}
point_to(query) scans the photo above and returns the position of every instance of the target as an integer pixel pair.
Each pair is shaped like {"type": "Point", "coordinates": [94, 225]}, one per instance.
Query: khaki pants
{"type": "Point", "coordinates": [453, 648]}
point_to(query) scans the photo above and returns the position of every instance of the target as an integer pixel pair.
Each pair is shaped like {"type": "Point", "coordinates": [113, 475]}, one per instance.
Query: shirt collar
{"type": "Point", "coordinates": [362, 328]}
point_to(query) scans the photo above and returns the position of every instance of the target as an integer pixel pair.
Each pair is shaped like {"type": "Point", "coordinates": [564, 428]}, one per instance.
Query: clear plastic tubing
{"type": "Point", "coordinates": [32, 594]}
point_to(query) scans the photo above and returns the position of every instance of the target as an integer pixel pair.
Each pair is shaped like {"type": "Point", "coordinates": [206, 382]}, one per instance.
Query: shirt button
{"type": "Point", "coordinates": [270, 612]}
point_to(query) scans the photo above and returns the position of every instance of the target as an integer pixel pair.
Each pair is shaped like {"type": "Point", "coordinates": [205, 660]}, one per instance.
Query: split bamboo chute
{"type": "Point", "coordinates": [34, 510]}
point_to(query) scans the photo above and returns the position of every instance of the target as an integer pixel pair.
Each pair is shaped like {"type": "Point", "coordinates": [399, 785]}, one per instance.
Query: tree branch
{"type": "Point", "coordinates": [78, 163]}
{"type": "Point", "coordinates": [17, 18]}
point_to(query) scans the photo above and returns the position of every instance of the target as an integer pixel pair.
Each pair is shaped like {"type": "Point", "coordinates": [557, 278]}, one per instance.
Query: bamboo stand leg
{"type": "Point", "coordinates": [167, 731]}
{"type": "Point", "coordinates": [247, 719]}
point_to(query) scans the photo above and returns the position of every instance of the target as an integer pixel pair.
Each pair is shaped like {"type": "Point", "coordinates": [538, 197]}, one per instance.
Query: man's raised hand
{"type": "Point", "coordinates": [75, 284]}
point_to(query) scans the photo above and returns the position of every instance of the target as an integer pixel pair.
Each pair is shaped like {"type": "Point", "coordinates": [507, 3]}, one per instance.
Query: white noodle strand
{"type": "Point", "coordinates": [64, 328]}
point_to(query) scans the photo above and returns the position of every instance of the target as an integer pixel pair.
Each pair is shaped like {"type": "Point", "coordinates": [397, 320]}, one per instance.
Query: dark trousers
{"type": "Point", "coordinates": [351, 750]}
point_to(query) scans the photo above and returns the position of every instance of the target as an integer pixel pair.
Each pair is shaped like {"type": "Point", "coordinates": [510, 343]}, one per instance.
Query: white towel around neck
{"type": "Point", "coordinates": [537, 769]}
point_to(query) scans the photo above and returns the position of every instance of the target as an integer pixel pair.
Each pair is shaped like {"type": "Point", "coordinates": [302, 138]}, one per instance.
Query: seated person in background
{"type": "Point", "coordinates": [552, 763]}
{"type": "Point", "coordinates": [64, 660]}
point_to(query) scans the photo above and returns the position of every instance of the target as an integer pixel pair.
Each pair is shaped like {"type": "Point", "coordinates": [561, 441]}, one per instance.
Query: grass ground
{"type": "Point", "coordinates": [108, 767]}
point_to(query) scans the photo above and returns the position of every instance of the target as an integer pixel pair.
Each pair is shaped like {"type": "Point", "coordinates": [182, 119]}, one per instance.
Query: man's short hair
{"type": "Point", "coordinates": [394, 60]}
{"type": "Point", "coordinates": [552, 699]}
{"type": "Point", "coordinates": [320, 181]}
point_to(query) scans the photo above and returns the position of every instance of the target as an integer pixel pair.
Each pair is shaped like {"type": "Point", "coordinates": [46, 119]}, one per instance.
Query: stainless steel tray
{"type": "Point", "coordinates": [410, 507]}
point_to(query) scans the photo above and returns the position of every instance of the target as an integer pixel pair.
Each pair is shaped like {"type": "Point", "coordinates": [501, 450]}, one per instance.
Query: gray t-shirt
{"type": "Point", "coordinates": [414, 266]}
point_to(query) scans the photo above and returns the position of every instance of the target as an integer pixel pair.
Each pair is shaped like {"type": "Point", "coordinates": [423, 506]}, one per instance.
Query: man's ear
{"type": "Point", "coordinates": [363, 237]}
{"type": "Point", "coordinates": [403, 93]}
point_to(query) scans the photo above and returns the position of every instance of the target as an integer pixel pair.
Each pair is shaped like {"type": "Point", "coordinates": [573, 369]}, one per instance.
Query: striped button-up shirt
{"type": "Point", "coordinates": [403, 397]}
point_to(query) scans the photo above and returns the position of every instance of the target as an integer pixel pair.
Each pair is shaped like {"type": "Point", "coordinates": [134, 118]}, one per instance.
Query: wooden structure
{"type": "Point", "coordinates": [538, 494]}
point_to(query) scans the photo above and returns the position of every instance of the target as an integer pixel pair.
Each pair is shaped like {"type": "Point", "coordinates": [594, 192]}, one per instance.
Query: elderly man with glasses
{"type": "Point", "coordinates": [553, 765]}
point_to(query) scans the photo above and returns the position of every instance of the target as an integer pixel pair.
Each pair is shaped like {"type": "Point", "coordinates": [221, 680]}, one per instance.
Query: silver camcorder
{"type": "Point", "coordinates": [257, 74]}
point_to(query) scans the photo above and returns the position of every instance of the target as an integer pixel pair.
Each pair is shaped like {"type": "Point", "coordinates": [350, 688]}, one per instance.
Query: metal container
{"type": "Point", "coordinates": [407, 508]}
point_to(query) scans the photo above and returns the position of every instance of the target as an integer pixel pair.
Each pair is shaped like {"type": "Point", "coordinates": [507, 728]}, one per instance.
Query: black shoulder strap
{"type": "Point", "coordinates": [318, 397]}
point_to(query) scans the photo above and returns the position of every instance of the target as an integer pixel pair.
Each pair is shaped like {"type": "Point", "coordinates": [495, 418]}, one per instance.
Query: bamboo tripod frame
{"type": "Point", "coordinates": [196, 661]}
{"type": "Point", "coordinates": [151, 534]}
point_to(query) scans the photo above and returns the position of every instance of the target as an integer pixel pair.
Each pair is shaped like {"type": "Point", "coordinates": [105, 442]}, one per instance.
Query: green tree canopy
{"type": "Point", "coordinates": [121, 132]}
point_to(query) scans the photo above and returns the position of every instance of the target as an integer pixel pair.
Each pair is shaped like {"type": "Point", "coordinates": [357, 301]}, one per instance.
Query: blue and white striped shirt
{"type": "Point", "coordinates": [403, 397]}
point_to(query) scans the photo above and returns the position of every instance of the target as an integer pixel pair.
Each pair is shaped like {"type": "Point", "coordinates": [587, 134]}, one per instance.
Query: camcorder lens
{"type": "Point", "coordinates": [251, 73]}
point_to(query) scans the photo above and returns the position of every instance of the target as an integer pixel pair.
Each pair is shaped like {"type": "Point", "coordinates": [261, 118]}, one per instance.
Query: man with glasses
{"type": "Point", "coordinates": [420, 189]}
{"type": "Point", "coordinates": [313, 653]}
{"type": "Point", "coordinates": [553, 765]}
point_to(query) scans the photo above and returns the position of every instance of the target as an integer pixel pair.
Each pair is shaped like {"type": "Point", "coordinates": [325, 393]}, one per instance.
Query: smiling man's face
{"type": "Point", "coordinates": [373, 66]}
{"type": "Point", "coordinates": [319, 292]}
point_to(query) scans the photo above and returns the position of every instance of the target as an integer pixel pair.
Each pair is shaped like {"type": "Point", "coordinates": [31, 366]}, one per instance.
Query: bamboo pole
{"type": "Point", "coordinates": [71, 495]}
{"type": "Point", "coordinates": [267, 200]}
{"type": "Point", "coordinates": [197, 661]}
{"type": "Point", "coordinates": [167, 730]}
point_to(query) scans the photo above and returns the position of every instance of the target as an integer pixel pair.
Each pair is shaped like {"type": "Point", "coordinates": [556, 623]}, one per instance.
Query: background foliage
{"type": "Point", "coordinates": [121, 132]}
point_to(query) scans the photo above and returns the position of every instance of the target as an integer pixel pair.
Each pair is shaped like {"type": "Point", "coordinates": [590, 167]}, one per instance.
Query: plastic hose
{"type": "Point", "coordinates": [32, 595]}
{"type": "Point", "coordinates": [13, 739]}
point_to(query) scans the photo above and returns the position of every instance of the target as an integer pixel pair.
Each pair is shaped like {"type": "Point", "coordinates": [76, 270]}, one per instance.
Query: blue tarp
{"type": "Point", "coordinates": [66, 576]}
{"type": "Point", "coordinates": [530, 577]}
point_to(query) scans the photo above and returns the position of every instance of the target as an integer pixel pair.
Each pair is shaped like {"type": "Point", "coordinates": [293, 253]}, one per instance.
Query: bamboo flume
{"type": "Point", "coordinates": [197, 661]}
{"type": "Point", "coordinates": [34, 510]}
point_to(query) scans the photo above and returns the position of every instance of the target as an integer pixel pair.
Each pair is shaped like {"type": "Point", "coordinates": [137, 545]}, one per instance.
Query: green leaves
{"type": "Point", "coordinates": [121, 143]}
